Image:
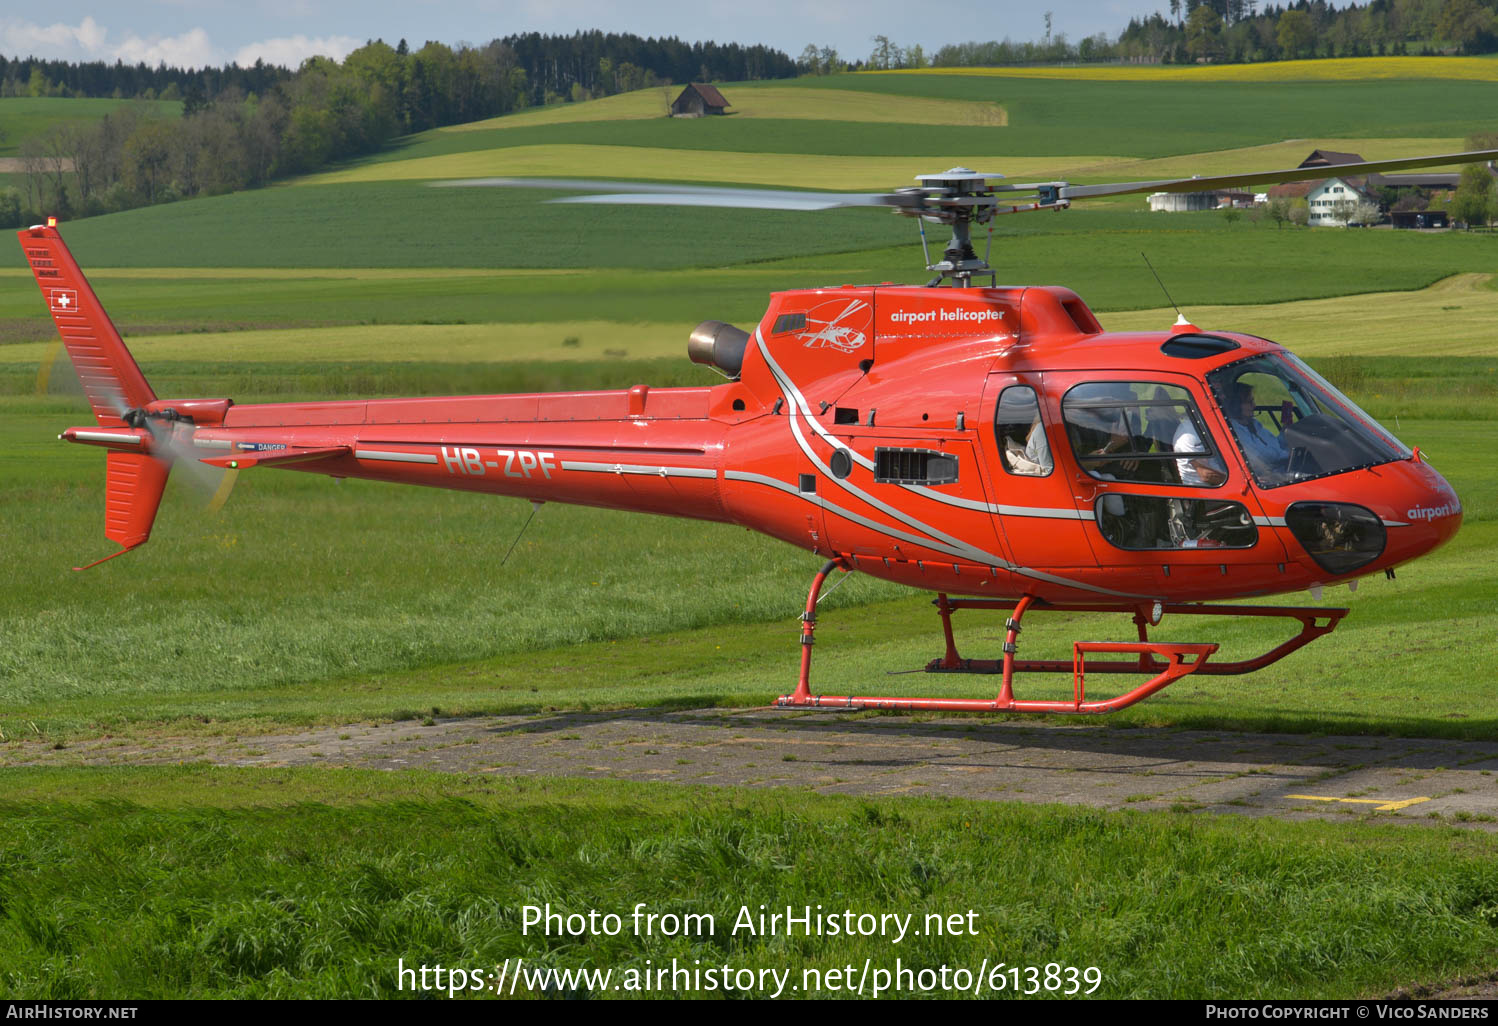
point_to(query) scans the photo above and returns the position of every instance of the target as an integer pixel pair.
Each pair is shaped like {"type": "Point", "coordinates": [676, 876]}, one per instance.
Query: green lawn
{"type": "Point", "coordinates": [198, 882]}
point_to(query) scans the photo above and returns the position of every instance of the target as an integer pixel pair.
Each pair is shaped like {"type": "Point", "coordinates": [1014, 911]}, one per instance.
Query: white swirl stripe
{"type": "Point", "coordinates": [942, 542]}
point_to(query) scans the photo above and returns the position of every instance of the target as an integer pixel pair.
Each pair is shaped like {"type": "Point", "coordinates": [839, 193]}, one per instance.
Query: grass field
{"type": "Point", "coordinates": [267, 883]}
{"type": "Point", "coordinates": [643, 162]}
{"type": "Point", "coordinates": [306, 601]}
{"type": "Point", "coordinates": [1047, 116]}
{"type": "Point", "coordinates": [23, 117]}
{"type": "Point", "coordinates": [1456, 315]}
{"type": "Point", "coordinates": [638, 271]}
{"type": "Point", "coordinates": [756, 100]}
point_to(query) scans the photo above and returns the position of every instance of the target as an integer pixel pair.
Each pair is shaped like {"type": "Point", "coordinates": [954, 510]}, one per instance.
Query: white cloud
{"type": "Point", "coordinates": [88, 40]}
{"type": "Point", "coordinates": [290, 51]}
{"type": "Point", "coordinates": [75, 42]}
{"type": "Point", "coordinates": [192, 49]}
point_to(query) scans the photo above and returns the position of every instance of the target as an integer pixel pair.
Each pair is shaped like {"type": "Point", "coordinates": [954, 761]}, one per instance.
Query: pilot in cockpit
{"type": "Point", "coordinates": [1265, 451]}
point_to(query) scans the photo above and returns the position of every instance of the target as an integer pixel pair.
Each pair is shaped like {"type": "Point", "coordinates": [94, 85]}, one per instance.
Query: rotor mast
{"type": "Point", "coordinates": [961, 198]}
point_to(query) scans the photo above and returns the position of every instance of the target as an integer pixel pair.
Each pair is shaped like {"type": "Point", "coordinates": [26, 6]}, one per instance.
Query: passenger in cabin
{"type": "Point", "coordinates": [1197, 471]}
{"type": "Point", "coordinates": [1034, 460]}
{"type": "Point", "coordinates": [1022, 435]}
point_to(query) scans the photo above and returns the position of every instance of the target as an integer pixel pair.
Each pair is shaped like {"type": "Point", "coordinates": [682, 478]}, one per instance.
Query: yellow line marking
{"type": "Point", "coordinates": [1383, 804]}
{"type": "Point", "coordinates": [1393, 806]}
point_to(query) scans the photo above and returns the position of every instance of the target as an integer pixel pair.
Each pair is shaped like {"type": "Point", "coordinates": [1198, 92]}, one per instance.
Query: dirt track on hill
{"type": "Point", "coordinates": [1283, 775]}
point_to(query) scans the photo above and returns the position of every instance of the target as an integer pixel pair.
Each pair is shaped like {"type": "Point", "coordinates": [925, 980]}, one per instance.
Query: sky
{"type": "Point", "coordinates": [197, 33]}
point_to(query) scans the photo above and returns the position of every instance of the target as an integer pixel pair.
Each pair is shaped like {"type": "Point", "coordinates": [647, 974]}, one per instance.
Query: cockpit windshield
{"type": "Point", "coordinates": [1291, 424]}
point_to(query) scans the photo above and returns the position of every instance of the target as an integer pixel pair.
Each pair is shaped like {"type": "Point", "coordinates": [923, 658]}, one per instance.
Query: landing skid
{"type": "Point", "coordinates": [1166, 662]}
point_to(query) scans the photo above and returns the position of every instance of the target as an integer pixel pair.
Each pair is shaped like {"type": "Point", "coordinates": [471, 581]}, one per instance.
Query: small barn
{"type": "Point", "coordinates": [1420, 219]}
{"type": "Point", "coordinates": [1176, 202]}
{"type": "Point", "coordinates": [698, 99]}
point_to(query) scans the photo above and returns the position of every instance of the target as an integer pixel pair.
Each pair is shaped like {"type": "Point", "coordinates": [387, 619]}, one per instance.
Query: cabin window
{"type": "Point", "coordinates": [914, 466]}
{"type": "Point", "coordinates": [1140, 522]}
{"type": "Point", "coordinates": [1021, 434]}
{"type": "Point", "coordinates": [1141, 431]}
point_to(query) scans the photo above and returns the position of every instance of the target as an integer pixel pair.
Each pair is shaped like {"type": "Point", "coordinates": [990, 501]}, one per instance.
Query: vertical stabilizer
{"type": "Point", "coordinates": [111, 379]}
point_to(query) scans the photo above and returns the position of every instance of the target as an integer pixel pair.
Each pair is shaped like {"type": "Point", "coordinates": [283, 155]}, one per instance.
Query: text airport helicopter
{"type": "Point", "coordinates": [988, 443]}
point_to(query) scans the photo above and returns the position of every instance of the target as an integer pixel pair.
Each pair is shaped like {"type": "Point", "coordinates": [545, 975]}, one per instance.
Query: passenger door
{"type": "Point", "coordinates": [1037, 510]}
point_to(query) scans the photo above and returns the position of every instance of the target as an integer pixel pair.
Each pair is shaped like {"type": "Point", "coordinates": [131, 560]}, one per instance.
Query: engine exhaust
{"type": "Point", "coordinates": [718, 345]}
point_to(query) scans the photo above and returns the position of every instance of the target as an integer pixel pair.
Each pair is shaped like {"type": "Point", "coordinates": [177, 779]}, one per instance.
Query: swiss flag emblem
{"type": "Point", "coordinates": [62, 300]}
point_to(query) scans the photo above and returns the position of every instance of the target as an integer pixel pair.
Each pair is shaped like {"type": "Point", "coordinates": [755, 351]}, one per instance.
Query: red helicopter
{"type": "Point", "coordinates": [991, 444]}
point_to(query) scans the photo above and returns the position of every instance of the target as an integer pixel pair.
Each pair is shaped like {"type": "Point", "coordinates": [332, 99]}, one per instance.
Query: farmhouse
{"type": "Point", "coordinates": [1334, 201]}
{"type": "Point", "coordinates": [698, 99]}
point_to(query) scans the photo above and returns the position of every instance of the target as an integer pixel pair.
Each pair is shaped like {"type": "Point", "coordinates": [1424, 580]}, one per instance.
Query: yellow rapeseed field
{"type": "Point", "coordinates": [1345, 69]}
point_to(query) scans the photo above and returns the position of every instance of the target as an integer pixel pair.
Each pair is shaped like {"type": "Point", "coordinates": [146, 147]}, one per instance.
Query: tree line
{"type": "Point", "coordinates": [241, 128]}
{"type": "Point", "coordinates": [1239, 30]}
{"type": "Point", "coordinates": [1227, 31]}
{"type": "Point", "coordinates": [31, 76]}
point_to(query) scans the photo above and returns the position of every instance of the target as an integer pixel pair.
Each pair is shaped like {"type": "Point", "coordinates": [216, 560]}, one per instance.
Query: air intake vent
{"type": "Point", "coordinates": [1195, 347]}
{"type": "Point", "coordinates": [914, 466]}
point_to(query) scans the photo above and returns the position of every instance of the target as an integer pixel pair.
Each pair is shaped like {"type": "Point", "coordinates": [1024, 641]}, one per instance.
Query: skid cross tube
{"type": "Point", "coordinates": [1178, 661]}
{"type": "Point", "coordinates": [1314, 622]}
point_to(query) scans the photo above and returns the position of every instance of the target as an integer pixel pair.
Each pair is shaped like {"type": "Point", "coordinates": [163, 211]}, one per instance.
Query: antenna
{"type": "Point", "coordinates": [1163, 289]}
{"type": "Point", "coordinates": [536, 505]}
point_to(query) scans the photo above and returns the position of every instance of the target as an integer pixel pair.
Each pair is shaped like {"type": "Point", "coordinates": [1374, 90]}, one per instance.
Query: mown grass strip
{"type": "Point", "coordinates": [193, 882]}
{"type": "Point", "coordinates": [600, 341]}
{"type": "Point", "coordinates": [1269, 157]}
{"type": "Point", "coordinates": [756, 100]}
{"type": "Point", "coordinates": [1454, 317]}
{"type": "Point", "coordinates": [799, 170]}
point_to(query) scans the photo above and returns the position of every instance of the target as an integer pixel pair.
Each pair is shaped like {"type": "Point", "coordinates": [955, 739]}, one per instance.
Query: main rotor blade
{"type": "Point", "coordinates": [1294, 174]}
{"type": "Point", "coordinates": [653, 194]}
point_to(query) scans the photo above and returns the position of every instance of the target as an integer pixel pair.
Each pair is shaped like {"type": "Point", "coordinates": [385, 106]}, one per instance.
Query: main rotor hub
{"type": "Point", "coordinates": [959, 198]}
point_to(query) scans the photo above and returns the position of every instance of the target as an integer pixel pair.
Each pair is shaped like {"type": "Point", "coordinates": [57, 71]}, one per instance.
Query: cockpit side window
{"type": "Point", "coordinates": [1141, 431]}
{"type": "Point", "coordinates": [1292, 425]}
{"type": "Point", "coordinates": [1021, 434]}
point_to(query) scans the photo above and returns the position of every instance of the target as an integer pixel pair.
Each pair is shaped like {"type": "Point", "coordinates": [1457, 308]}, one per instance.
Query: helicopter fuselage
{"type": "Point", "coordinates": [985, 441]}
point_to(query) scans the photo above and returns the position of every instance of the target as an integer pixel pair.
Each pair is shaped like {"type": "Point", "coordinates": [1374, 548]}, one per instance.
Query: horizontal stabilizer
{"type": "Point", "coordinates": [274, 457]}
